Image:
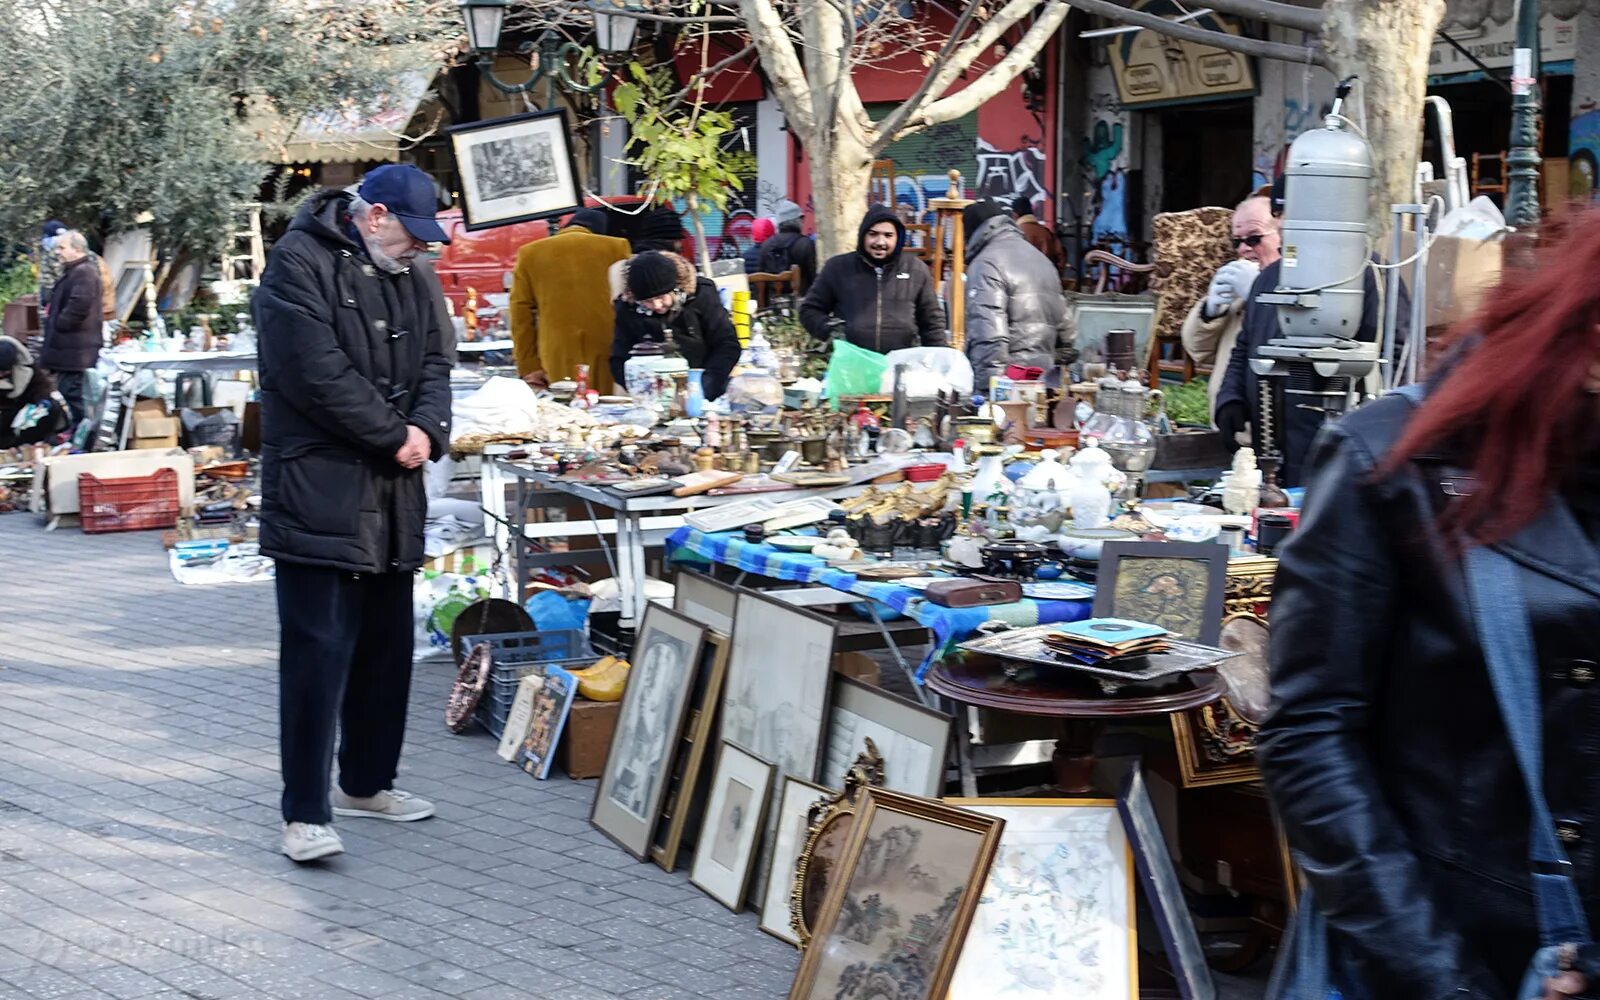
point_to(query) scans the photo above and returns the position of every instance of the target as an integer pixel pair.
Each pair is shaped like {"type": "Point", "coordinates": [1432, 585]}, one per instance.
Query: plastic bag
{"type": "Point", "coordinates": [854, 371]}
{"type": "Point", "coordinates": [928, 370]}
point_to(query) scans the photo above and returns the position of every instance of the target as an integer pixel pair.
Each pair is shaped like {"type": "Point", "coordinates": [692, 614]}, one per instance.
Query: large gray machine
{"type": "Point", "coordinates": [1319, 363]}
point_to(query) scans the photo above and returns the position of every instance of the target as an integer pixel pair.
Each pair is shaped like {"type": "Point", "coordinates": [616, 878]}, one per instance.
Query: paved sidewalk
{"type": "Point", "coordinates": [138, 825]}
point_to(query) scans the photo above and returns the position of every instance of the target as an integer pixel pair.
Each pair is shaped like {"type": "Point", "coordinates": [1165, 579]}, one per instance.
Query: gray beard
{"type": "Point", "coordinates": [384, 262]}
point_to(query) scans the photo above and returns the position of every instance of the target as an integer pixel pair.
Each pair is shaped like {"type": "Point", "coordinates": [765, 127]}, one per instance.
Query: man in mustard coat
{"type": "Point", "coordinates": [561, 312]}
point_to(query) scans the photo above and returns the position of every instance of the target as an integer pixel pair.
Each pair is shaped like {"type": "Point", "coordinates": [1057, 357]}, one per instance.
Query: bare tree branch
{"type": "Point", "coordinates": [1284, 15]}
{"type": "Point", "coordinates": [1304, 55]}
{"type": "Point", "coordinates": [705, 74]}
{"type": "Point", "coordinates": [999, 76]}
{"type": "Point", "coordinates": [897, 118]}
{"type": "Point", "coordinates": [782, 62]}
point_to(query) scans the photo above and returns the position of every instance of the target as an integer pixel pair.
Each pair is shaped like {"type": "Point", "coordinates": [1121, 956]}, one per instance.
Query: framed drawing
{"type": "Point", "coordinates": [912, 739]}
{"type": "Point", "coordinates": [1177, 585]}
{"type": "Point", "coordinates": [734, 814]}
{"type": "Point", "coordinates": [1056, 918]}
{"type": "Point", "coordinates": [775, 698]}
{"type": "Point", "coordinates": [794, 819]}
{"type": "Point", "coordinates": [1162, 890]}
{"type": "Point", "coordinates": [640, 759]}
{"type": "Point", "coordinates": [1217, 742]}
{"type": "Point", "coordinates": [709, 602]}
{"type": "Point", "coordinates": [902, 898]}
{"type": "Point", "coordinates": [514, 169]}
{"type": "Point", "coordinates": [693, 754]}
{"type": "Point", "coordinates": [551, 705]}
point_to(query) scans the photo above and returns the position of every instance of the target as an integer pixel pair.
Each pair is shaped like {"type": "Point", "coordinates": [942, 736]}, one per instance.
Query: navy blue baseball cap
{"type": "Point", "coordinates": [409, 195]}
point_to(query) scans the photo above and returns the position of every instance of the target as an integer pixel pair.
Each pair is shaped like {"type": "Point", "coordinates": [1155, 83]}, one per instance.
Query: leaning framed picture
{"type": "Point", "coordinates": [1179, 586]}
{"type": "Point", "coordinates": [903, 896]}
{"type": "Point", "coordinates": [793, 812]}
{"type": "Point", "coordinates": [1162, 890]}
{"type": "Point", "coordinates": [1056, 918]}
{"type": "Point", "coordinates": [1217, 742]}
{"type": "Point", "coordinates": [709, 602]}
{"type": "Point", "coordinates": [912, 738]}
{"type": "Point", "coordinates": [735, 814]}
{"type": "Point", "coordinates": [683, 802]}
{"type": "Point", "coordinates": [515, 169]}
{"type": "Point", "coordinates": [665, 657]}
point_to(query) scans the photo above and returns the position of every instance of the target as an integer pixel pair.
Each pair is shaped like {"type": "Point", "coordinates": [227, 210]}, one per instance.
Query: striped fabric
{"type": "Point", "coordinates": [949, 625]}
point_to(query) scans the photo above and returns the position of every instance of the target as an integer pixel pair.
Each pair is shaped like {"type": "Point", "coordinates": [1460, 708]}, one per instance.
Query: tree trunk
{"type": "Point", "coordinates": [1387, 45]}
{"type": "Point", "coordinates": [692, 203]}
{"type": "Point", "coordinates": [841, 174]}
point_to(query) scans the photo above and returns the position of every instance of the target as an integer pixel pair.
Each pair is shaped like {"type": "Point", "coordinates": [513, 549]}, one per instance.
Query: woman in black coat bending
{"type": "Point", "coordinates": [1385, 751]}
{"type": "Point", "coordinates": [31, 411]}
{"type": "Point", "coordinates": [663, 293]}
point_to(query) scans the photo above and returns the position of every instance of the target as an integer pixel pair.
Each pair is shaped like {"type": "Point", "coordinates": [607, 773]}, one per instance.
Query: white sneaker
{"type": "Point", "coordinates": [309, 841]}
{"type": "Point", "coordinates": [393, 805]}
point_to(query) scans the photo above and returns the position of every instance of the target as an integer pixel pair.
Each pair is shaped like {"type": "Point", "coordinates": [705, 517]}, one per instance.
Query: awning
{"type": "Point", "coordinates": [373, 131]}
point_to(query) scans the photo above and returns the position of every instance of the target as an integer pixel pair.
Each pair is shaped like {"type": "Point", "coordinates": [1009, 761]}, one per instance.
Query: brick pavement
{"type": "Point", "coordinates": [138, 826]}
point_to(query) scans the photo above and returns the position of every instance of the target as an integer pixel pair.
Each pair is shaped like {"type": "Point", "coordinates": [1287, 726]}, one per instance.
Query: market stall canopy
{"type": "Point", "coordinates": [360, 133]}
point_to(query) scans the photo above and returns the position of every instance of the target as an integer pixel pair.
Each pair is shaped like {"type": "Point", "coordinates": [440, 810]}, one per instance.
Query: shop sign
{"type": "Point", "coordinates": [1495, 42]}
{"type": "Point", "coordinates": [1153, 69]}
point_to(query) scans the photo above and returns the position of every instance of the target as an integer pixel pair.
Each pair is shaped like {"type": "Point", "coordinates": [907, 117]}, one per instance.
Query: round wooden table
{"type": "Point", "coordinates": [1072, 697]}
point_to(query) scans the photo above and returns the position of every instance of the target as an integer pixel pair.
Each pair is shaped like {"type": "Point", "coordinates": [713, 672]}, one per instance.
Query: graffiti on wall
{"type": "Point", "coordinates": [1583, 153]}
{"type": "Point", "coordinates": [1107, 185]}
{"type": "Point", "coordinates": [1006, 175]}
{"type": "Point", "coordinates": [1298, 116]}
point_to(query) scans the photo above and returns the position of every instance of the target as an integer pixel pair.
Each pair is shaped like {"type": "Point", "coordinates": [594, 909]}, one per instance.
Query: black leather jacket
{"type": "Point", "coordinates": [1384, 750]}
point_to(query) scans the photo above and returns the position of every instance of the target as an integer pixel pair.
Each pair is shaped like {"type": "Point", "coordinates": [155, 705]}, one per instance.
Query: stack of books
{"type": "Point", "coordinates": [1107, 642]}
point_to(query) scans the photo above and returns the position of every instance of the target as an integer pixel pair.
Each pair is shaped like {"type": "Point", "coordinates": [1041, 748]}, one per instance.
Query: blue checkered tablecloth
{"type": "Point", "coordinates": [949, 625]}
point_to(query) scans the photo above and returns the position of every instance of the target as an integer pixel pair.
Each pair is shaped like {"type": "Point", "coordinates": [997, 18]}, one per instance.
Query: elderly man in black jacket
{"type": "Point", "coordinates": [355, 396]}
{"type": "Point", "coordinates": [73, 333]}
{"type": "Point", "coordinates": [885, 297]}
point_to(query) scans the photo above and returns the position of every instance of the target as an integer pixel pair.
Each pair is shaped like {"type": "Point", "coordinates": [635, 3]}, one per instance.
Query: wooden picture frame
{"type": "Point", "coordinates": [913, 739]}
{"type": "Point", "coordinates": [515, 169]}
{"type": "Point", "coordinates": [627, 802]}
{"type": "Point", "coordinates": [1217, 743]}
{"type": "Point", "coordinates": [1062, 884]}
{"type": "Point", "coordinates": [706, 599]}
{"type": "Point", "coordinates": [1180, 586]}
{"type": "Point", "coordinates": [692, 758]}
{"type": "Point", "coordinates": [796, 801]}
{"type": "Point", "coordinates": [1162, 891]}
{"type": "Point", "coordinates": [898, 912]}
{"type": "Point", "coordinates": [736, 811]}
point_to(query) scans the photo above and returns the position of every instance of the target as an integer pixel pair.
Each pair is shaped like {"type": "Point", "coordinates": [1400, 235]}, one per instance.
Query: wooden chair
{"type": "Point", "coordinates": [766, 287]}
{"type": "Point", "coordinates": [880, 187]}
{"type": "Point", "coordinates": [1493, 181]}
{"type": "Point", "coordinates": [919, 240]}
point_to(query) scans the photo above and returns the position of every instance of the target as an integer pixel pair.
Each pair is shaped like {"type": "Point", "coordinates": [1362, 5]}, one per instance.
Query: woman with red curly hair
{"type": "Point", "coordinates": [1385, 750]}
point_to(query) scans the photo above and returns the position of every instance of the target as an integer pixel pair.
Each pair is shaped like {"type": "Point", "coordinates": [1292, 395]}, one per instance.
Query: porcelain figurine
{"type": "Point", "coordinates": [1242, 493]}
{"type": "Point", "coordinates": [1094, 480]}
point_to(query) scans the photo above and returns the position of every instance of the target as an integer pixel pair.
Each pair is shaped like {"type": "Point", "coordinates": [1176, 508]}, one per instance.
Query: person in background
{"type": "Point", "coordinates": [73, 330]}
{"type": "Point", "coordinates": [561, 314]}
{"type": "Point", "coordinates": [49, 261]}
{"type": "Point", "coordinates": [790, 246]}
{"type": "Point", "coordinates": [665, 295]}
{"type": "Point", "coordinates": [1016, 313]}
{"type": "Point", "coordinates": [884, 298]}
{"type": "Point", "coordinates": [1038, 234]}
{"type": "Point", "coordinates": [1212, 326]}
{"type": "Point", "coordinates": [31, 411]}
{"type": "Point", "coordinates": [1385, 752]}
{"type": "Point", "coordinates": [355, 398]}
{"type": "Point", "coordinates": [761, 230]}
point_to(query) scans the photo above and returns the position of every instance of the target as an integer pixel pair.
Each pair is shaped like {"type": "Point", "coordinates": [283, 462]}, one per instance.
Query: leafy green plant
{"type": "Point", "coordinates": [17, 278]}
{"type": "Point", "coordinates": [1188, 403]}
{"type": "Point", "coordinates": [679, 144]}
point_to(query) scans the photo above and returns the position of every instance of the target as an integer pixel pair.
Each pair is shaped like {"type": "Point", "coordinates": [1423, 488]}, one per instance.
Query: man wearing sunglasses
{"type": "Point", "coordinates": [1212, 326]}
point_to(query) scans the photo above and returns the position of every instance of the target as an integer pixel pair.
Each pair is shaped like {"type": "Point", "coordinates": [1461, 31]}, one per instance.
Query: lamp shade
{"type": "Point", "coordinates": [614, 26]}
{"type": "Point", "coordinates": [484, 19]}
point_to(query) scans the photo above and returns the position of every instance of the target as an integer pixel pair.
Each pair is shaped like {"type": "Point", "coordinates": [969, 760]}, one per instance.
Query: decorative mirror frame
{"type": "Point", "coordinates": [867, 771]}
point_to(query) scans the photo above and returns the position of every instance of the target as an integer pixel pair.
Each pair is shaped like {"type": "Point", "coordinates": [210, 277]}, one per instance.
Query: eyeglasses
{"type": "Point", "coordinates": [1252, 241]}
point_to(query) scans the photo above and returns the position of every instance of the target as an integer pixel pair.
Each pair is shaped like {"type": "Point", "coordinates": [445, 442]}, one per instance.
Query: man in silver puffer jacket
{"type": "Point", "coordinates": [1016, 313]}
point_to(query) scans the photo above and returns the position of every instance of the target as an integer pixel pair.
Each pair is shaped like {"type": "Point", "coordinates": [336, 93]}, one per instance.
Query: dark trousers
{"type": "Point", "coordinates": [74, 388]}
{"type": "Point", "coordinates": [344, 660]}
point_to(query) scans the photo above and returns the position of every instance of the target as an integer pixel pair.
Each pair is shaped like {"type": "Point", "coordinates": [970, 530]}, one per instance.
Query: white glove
{"type": "Point", "coordinates": [1230, 284]}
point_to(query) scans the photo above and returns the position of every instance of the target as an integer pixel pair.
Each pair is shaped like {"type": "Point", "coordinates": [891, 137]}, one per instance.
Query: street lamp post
{"type": "Point", "coordinates": [614, 26]}
{"type": "Point", "coordinates": [1522, 160]}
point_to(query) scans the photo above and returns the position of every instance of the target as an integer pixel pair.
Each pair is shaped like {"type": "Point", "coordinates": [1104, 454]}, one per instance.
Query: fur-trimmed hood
{"type": "Point", "coordinates": [687, 276]}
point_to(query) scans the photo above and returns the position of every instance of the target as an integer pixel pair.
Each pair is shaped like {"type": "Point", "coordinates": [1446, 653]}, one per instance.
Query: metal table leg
{"type": "Point", "coordinates": [894, 651]}
{"type": "Point", "coordinates": [519, 543]}
{"type": "Point", "coordinates": [630, 568]}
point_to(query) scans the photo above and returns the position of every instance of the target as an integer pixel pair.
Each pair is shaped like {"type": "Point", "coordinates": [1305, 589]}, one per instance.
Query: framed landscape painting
{"type": "Point", "coordinates": [515, 169]}
{"type": "Point", "coordinates": [1056, 918]}
{"type": "Point", "coordinates": [665, 657]}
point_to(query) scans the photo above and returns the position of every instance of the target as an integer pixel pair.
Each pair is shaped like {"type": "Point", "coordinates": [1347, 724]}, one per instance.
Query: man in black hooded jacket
{"type": "Point", "coordinates": [355, 397]}
{"type": "Point", "coordinates": [885, 297]}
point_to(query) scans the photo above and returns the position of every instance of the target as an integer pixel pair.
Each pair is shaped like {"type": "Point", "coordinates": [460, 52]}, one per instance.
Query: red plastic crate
{"type": "Point", "coordinates": [136, 503]}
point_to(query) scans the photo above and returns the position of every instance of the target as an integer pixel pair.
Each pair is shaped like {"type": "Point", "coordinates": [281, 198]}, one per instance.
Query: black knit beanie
{"type": "Point", "coordinates": [977, 213]}
{"type": "Point", "coordinates": [650, 274]}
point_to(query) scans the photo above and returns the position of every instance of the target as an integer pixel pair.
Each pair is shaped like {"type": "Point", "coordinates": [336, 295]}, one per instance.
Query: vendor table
{"type": "Point", "coordinates": [1074, 698]}
{"type": "Point", "coordinates": [635, 521]}
{"type": "Point", "coordinates": [134, 362]}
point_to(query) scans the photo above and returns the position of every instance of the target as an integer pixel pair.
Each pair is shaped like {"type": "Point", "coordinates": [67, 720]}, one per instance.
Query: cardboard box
{"type": "Point", "coordinates": [858, 665]}
{"type": "Point", "coordinates": [61, 474]}
{"type": "Point", "coordinates": [587, 738]}
{"type": "Point", "coordinates": [153, 426]}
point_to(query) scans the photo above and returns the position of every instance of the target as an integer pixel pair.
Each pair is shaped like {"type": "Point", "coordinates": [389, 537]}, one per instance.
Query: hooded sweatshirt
{"type": "Point", "coordinates": [885, 305]}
